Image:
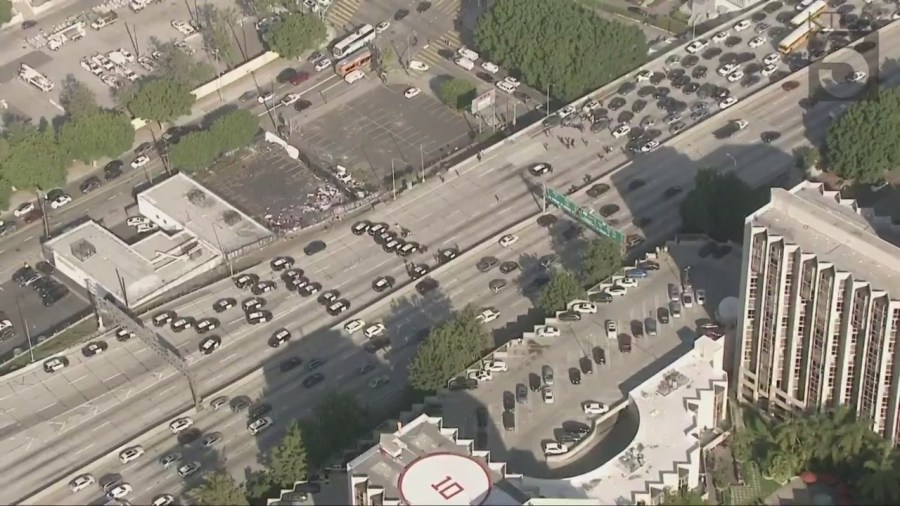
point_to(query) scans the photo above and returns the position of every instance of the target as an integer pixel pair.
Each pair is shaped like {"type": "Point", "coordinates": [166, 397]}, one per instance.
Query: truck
{"type": "Point", "coordinates": [104, 20]}
{"type": "Point", "coordinates": [72, 32]}
{"type": "Point", "coordinates": [117, 57]}
{"type": "Point", "coordinates": [35, 78]}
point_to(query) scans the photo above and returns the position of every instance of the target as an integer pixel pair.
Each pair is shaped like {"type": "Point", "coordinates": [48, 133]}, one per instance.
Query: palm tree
{"type": "Point", "coordinates": [879, 482]}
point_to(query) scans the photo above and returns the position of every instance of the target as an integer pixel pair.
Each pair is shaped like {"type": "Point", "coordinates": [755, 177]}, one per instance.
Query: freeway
{"type": "Point", "coordinates": [474, 215]}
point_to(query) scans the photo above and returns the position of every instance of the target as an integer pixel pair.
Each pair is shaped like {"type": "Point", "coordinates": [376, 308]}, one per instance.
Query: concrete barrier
{"type": "Point", "coordinates": [234, 75]}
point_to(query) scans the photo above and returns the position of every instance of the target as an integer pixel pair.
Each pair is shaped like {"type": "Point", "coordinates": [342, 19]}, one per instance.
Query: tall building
{"type": "Point", "coordinates": [820, 308]}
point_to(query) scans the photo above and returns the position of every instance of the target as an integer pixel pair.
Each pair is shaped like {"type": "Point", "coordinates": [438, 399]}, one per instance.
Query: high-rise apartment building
{"type": "Point", "coordinates": [820, 308]}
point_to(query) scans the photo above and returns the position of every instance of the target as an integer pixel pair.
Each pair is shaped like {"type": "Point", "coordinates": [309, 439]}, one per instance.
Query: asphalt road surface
{"type": "Point", "coordinates": [476, 206]}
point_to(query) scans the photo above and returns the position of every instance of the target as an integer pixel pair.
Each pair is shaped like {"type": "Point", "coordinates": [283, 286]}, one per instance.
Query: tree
{"type": "Point", "coordinates": [559, 291]}
{"type": "Point", "coordinates": [218, 488]}
{"type": "Point", "coordinates": [287, 462]}
{"type": "Point", "coordinates": [77, 99]}
{"type": "Point", "coordinates": [683, 498]}
{"type": "Point", "coordinates": [456, 93]}
{"type": "Point", "coordinates": [860, 145]}
{"type": "Point", "coordinates": [218, 34]}
{"type": "Point", "coordinates": [5, 192]}
{"type": "Point", "coordinates": [34, 159]}
{"type": "Point", "coordinates": [600, 260]}
{"type": "Point", "coordinates": [450, 347]}
{"type": "Point", "coordinates": [584, 51]}
{"type": "Point", "coordinates": [198, 150]}
{"type": "Point", "coordinates": [718, 204]}
{"type": "Point", "coordinates": [162, 100]}
{"type": "Point", "coordinates": [6, 13]}
{"type": "Point", "coordinates": [879, 483]}
{"type": "Point", "coordinates": [96, 135]}
{"type": "Point", "coordinates": [295, 34]}
{"type": "Point", "coordinates": [180, 66]}
{"type": "Point", "coordinates": [807, 157]}
{"type": "Point", "coordinates": [340, 421]}
{"type": "Point", "coordinates": [235, 130]}
{"type": "Point", "coordinates": [742, 443]}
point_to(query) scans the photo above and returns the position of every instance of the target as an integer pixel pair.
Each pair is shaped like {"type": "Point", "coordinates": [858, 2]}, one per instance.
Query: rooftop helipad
{"type": "Point", "coordinates": [444, 478]}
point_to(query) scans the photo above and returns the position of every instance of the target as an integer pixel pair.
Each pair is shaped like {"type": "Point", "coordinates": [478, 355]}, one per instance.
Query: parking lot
{"type": "Point", "coordinates": [139, 33]}
{"type": "Point", "coordinates": [614, 372]}
{"type": "Point", "coordinates": [22, 305]}
{"type": "Point", "coordinates": [274, 189]}
{"type": "Point", "coordinates": [369, 133]}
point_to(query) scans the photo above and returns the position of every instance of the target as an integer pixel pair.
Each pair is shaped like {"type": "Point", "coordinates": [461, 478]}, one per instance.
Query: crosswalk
{"type": "Point", "coordinates": [431, 55]}
{"type": "Point", "coordinates": [342, 12]}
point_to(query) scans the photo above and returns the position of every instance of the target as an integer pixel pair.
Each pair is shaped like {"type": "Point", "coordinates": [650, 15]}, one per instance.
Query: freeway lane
{"type": "Point", "coordinates": [759, 163]}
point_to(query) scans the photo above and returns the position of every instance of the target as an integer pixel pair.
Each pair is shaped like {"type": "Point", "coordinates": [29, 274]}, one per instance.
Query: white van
{"type": "Point", "coordinates": [465, 63]}
{"type": "Point", "coordinates": [354, 76]}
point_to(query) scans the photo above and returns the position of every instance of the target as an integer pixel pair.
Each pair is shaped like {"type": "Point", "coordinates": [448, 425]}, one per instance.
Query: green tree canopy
{"type": "Point", "coordinates": [340, 422]}
{"type": "Point", "coordinates": [450, 347]}
{"type": "Point", "coordinates": [559, 44]}
{"type": "Point", "coordinates": [718, 204]}
{"type": "Point", "coordinates": [861, 145]}
{"type": "Point", "coordinates": [456, 93]}
{"type": "Point", "coordinates": [181, 66]}
{"type": "Point", "coordinates": [33, 159]}
{"type": "Point", "coordinates": [162, 100]}
{"type": "Point", "coordinates": [96, 135]}
{"type": "Point", "coordinates": [295, 34]}
{"type": "Point", "coordinates": [218, 34]}
{"type": "Point", "coordinates": [287, 462]}
{"type": "Point", "coordinates": [5, 192]}
{"type": "Point", "coordinates": [807, 157]}
{"type": "Point", "coordinates": [77, 99]}
{"type": "Point", "coordinates": [198, 150]}
{"type": "Point", "coordinates": [600, 260]}
{"type": "Point", "coordinates": [562, 288]}
{"type": "Point", "coordinates": [5, 11]}
{"type": "Point", "coordinates": [218, 488]}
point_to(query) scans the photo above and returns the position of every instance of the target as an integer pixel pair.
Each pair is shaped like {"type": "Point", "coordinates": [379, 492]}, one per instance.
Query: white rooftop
{"type": "Point", "coordinates": [666, 435]}
{"type": "Point", "coordinates": [179, 202]}
{"type": "Point", "coordinates": [836, 230]}
{"type": "Point", "coordinates": [91, 251]}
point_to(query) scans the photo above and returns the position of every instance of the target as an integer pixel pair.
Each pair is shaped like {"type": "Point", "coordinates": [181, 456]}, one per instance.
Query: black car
{"type": "Point", "coordinates": [90, 184]}
{"type": "Point", "coordinates": [577, 429]}
{"type": "Point", "coordinates": [314, 247]}
{"type": "Point", "coordinates": [360, 227]}
{"type": "Point", "coordinates": [263, 287]}
{"type": "Point", "coordinates": [600, 298]}
{"type": "Point", "coordinates": [259, 317]}
{"type": "Point", "coordinates": [461, 383]}
{"type": "Point", "coordinates": [635, 184]}
{"type": "Point", "coordinates": [509, 420]}
{"type": "Point", "coordinates": [769, 137]}
{"type": "Point", "coordinates": [246, 280]}
{"type": "Point", "coordinates": [94, 348]}
{"type": "Point", "coordinates": [574, 376]}
{"type": "Point", "coordinates": [210, 344]}
{"type": "Point", "coordinates": [482, 417]}
{"type": "Point", "coordinates": [417, 271]}
{"type": "Point", "coordinates": [487, 263]}
{"type": "Point", "coordinates": [302, 105]}
{"type": "Point", "coordinates": [587, 367]}
{"type": "Point", "coordinates": [113, 169]}
{"type": "Point", "coordinates": [569, 316]}
{"type": "Point", "coordinates": [426, 285]}
{"type": "Point", "coordinates": [400, 14]}
{"type": "Point", "coordinates": [599, 355]}
{"type": "Point", "coordinates": [281, 263]}
{"type": "Point", "coordinates": [447, 254]}
{"type": "Point", "coordinates": [289, 364]}
{"type": "Point", "coordinates": [279, 337]}
{"type": "Point", "coordinates": [313, 380]}
{"type": "Point", "coordinates": [671, 192]}
{"type": "Point", "coordinates": [338, 307]}
{"type": "Point", "coordinates": [422, 7]}
{"type": "Point", "coordinates": [662, 314]}
{"type": "Point", "coordinates": [309, 289]}
{"type": "Point", "coordinates": [225, 304]}
{"type": "Point", "coordinates": [382, 283]}
{"type": "Point", "coordinates": [329, 296]}
{"type": "Point", "coordinates": [608, 210]}
{"type": "Point", "coordinates": [54, 296]}
{"type": "Point", "coordinates": [508, 267]}
{"type": "Point", "coordinates": [253, 303]}
{"type": "Point", "coordinates": [181, 323]}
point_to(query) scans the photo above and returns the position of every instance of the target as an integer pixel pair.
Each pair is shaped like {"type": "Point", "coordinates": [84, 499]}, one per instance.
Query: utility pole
{"type": "Point", "coordinates": [159, 152]}
{"type": "Point", "coordinates": [393, 181]}
{"type": "Point", "coordinates": [225, 257]}
{"type": "Point", "coordinates": [41, 198]}
{"type": "Point", "coordinates": [27, 330]}
{"type": "Point", "coordinates": [543, 198]}
{"type": "Point", "coordinates": [548, 99]}
{"type": "Point", "coordinates": [422, 159]}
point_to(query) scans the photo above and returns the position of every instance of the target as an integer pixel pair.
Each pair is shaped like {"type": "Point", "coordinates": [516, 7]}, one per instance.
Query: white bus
{"type": "Point", "coordinates": [795, 38]}
{"type": "Point", "coordinates": [810, 12]}
{"type": "Point", "coordinates": [354, 42]}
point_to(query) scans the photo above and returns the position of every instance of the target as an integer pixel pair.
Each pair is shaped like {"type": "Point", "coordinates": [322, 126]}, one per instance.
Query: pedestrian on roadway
{"type": "Point", "coordinates": [457, 172]}
{"type": "Point", "coordinates": [546, 147]}
{"type": "Point", "coordinates": [498, 198]}
{"type": "Point", "coordinates": [442, 177]}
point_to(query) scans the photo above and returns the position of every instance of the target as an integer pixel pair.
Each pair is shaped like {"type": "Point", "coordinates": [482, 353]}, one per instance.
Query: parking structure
{"type": "Point", "coordinates": [381, 128]}
{"type": "Point", "coordinates": [132, 49]}
{"type": "Point", "coordinates": [583, 346]}
{"type": "Point", "coordinates": [282, 193]}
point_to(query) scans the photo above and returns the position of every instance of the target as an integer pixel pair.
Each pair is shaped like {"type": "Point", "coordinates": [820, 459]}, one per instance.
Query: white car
{"type": "Point", "coordinates": [627, 282]}
{"type": "Point", "coordinates": [505, 87]}
{"type": "Point", "coordinates": [323, 64]}
{"type": "Point", "coordinates": [412, 92]}
{"type": "Point", "coordinates": [260, 425]}
{"type": "Point", "coordinates": [60, 201]}
{"type": "Point", "coordinates": [621, 131]}
{"type": "Point", "coordinates": [496, 366]}
{"type": "Point", "coordinates": [547, 394]}
{"type": "Point", "coordinates": [735, 76]}
{"type": "Point", "coordinates": [163, 500]}
{"type": "Point", "coordinates": [374, 330]}
{"type": "Point", "coordinates": [418, 65]}
{"type": "Point", "coordinates": [857, 77]}
{"type": "Point", "coordinates": [130, 454]}
{"type": "Point", "coordinates": [612, 332]}
{"type": "Point", "coordinates": [54, 364]}
{"type": "Point", "coordinates": [554, 448]}
{"type": "Point", "coordinates": [741, 25]}
{"type": "Point", "coordinates": [81, 482]}
{"type": "Point", "coordinates": [584, 307]}
{"type": "Point", "coordinates": [741, 123]}
{"type": "Point", "coordinates": [146, 227]}
{"type": "Point", "coordinates": [487, 315]}
{"type": "Point", "coordinates": [182, 27]}
{"type": "Point", "coordinates": [617, 291]}
{"type": "Point", "coordinates": [180, 424]}
{"type": "Point", "coordinates": [650, 146]}
{"type": "Point", "coordinates": [755, 42]}
{"type": "Point", "coordinates": [720, 36]}
{"type": "Point", "coordinates": [490, 67]}
{"type": "Point", "coordinates": [188, 469]}
{"type": "Point", "coordinates": [24, 209]}
{"type": "Point", "coordinates": [381, 27]}
{"type": "Point", "coordinates": [728, 102]}
{"type": "Point", "coordinates": [566, 111]}
{"type": "Point", "coordinates": [701, 297]}
{"type": "Point", "coordinates": [769, 70]}
{"type": "Point", "coordinates": [265, 97]}
{"type": "Point", "coordinates": [140, 161]}
{"type": "Point", "coordinates": [696, 46]}
{"type": "Point", "coordinates": [119, 491]}
{"type": "Point", "coordinates": [290, 99]}
{"type": "Point", "coordinates": [594, 408]}
{"type": "Point", "coordinates": [548, 331]}
{"type": "Point", "coordinates": [512, 81]}
{"type": "Point", "coordinates": [643, 75]}
{"type": "Point", "coordinates": [354, 326]}
{"type": "Point", "coordinates": [590, 106]}
{"type": "Point", "coordinates": [508, 240]}
{"type": "Point", "coordinates": [481, 376]}
{"type": "Point", "coordinates": [687, 299]}
{"type": "Point", "coordinates": [771, 59]}
{"type": "Point", "coordinates": [467, 53]}
{"type": "Point", "coordinates": [726, 69]}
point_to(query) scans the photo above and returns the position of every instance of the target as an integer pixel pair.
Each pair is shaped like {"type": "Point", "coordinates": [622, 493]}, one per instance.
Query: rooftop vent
{"type": "Point", "coordinates": [198, 198]}
{"type": "Point", "coordinates": [231, 217]}
{"type": "Point", "coordinates": [82, 249]}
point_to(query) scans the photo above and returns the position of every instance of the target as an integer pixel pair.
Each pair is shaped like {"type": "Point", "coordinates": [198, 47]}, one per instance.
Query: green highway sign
{"type": "Point", "coordinates": [584, 215]}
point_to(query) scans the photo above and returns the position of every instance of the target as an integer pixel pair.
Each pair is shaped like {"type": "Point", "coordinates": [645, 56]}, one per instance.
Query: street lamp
{"type": "Point", "coordinates": [733, 159]}
{"type": "Point", "coordinates": [393, 181]}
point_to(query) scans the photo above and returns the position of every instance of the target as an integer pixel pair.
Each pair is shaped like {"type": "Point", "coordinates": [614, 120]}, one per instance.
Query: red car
{"type": "Point", "coordinates": [299, 78]}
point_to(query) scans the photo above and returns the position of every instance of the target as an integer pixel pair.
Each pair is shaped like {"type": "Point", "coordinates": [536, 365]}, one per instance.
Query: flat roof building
{"type": "Point", "coordinates": [180, 203]}
{"type": "Point", "coordinates": [820, 311]}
